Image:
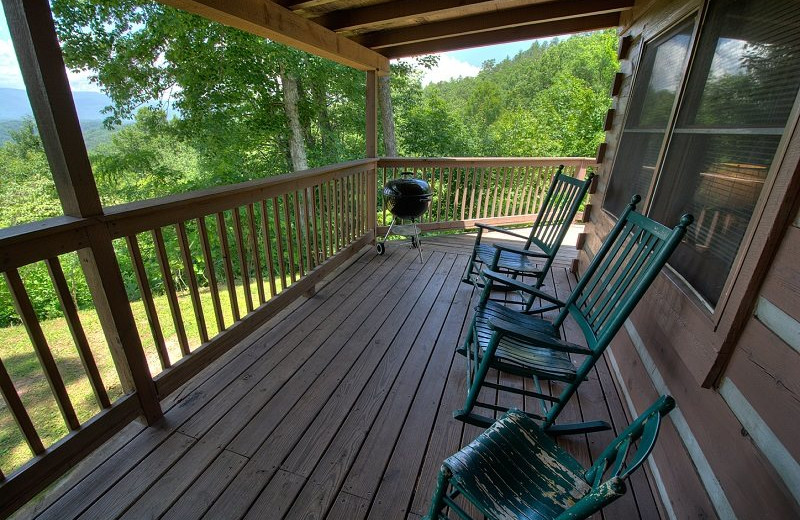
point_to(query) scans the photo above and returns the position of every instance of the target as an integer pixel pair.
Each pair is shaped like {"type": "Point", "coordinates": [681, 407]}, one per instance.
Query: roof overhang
{"type": "Point", "coordinates": [364, 34]}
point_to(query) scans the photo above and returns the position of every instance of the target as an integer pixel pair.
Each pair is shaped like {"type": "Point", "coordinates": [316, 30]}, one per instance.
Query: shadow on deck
{"type": "Point", "coordinates": [340, 407]}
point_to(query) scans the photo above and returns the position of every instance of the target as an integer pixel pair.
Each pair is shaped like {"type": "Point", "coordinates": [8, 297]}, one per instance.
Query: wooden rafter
{"type": "Point", "coordinates": [396, 11]}
{"type": "Point", "coordinates": [525, 32]}
{"type": "Point", "coordinates": [532, 14]}
{"type": "Point", "coordinates": [270, 20]}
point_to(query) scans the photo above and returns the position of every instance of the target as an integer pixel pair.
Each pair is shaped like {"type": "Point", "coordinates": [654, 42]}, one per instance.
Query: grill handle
{"type": "Point", "coordinates": [406, 174]}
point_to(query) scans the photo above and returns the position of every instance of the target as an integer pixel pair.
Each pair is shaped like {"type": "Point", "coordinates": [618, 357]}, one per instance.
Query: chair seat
{"type": "Point", "coordinates": [515, 471]}
{"type": "Point", "coordinates": [527, 358]}
{"type": "Point", "coordinates": [511, 261]}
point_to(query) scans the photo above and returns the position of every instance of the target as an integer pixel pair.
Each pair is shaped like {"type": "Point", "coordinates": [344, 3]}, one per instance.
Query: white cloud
{"type": "Point", "coordinates": [10, 76]}
{"type": "Point", "coordinates": [448, 68]}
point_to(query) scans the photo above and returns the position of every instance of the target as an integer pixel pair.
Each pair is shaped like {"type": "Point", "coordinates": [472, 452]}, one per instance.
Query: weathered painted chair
{"type": "Point", "coordinates": [556, 214]}
{"type": "Point", "coordinates": [516, 342]}
{"type": "Point", "coordinates": [514, 470]}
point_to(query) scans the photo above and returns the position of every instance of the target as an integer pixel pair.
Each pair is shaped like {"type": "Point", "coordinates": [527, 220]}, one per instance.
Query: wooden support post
{"type": "Point", "coordinates": [372, 149]}
{"type": "Point", "coordinates": [372, 114]}
{"type": "Point", "coordinates": [42, 66]}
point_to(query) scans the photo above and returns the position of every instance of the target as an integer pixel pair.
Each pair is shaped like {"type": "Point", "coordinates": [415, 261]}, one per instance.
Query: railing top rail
{"type": "Point", "coordinates": [484, 161]}
{"type": "Point", "coordinates": [135, 217]}
{"type": "Point", "coordinates": [27, 243]}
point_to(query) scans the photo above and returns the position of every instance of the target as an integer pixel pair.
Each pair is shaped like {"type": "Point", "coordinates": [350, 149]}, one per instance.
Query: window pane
{"type": "Point", "coordinates": [653, 96]}
{"type": "Point", "coordinates": [740, 92]}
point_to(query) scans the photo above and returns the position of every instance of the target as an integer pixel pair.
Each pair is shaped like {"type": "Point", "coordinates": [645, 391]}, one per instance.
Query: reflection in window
{"type": "Point", "coordinates": [653, 97]}
{"type": "Point", "coordinates": [741, 89]}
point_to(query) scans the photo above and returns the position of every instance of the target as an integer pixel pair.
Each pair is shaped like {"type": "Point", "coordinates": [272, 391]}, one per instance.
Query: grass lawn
{"type": "Point", "coordinates": [22, 364]}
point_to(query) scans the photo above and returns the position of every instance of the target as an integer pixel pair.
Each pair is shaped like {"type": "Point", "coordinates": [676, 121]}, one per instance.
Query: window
{"type": "Point", "coordinates": [660, 72]}
{"type": "Point", "coordinates": [739, 93]}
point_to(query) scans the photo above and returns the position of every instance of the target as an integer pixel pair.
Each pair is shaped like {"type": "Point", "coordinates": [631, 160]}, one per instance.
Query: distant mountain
{"type": "Point", "coordinates": [14, 105]}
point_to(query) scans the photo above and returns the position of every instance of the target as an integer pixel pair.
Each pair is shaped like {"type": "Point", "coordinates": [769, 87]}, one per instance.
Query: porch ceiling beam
{"type": "Point", "coordinates": [525, 32]}
{"type": "Point", "coordinates": [395, 11]}
{"type": "Point", "coordinates": [270, 20]}
{"type": "Point", "coordinates": [574, 12]}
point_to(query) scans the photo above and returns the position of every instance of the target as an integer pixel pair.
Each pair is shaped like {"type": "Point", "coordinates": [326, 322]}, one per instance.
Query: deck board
{"type": "Point", "coordinates": [340, 407]}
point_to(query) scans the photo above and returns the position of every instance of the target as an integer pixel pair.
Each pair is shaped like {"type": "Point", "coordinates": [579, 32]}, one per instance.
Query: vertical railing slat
{"type": "Point", "coordinates": [279, 240]}
{"type": "Point", "coordinates": [169, 285]}
{"type": "Point", "coordinates": [230, 281]}
{"type": "Point", "coordinates": [267, 248]}
{"type": "Point", "coordinates": [289, 247]}
{"type": "Point", "coordinates": [251, 224]}
{"type": "Point", "coordinates": [194, 290]}
{"type": "Point", "coordinates": [23, 420]}
{"type": "Point", "coordinates": [77, 332]}
{"type": "Point", "coordinates": [298, 227]}
{"type": "Point", "coordinates": [314, 225]}
{"type": "Point", "coordinates": [147, 300]}
{"type": "Point", "coordinates": [242, 255]}
{"type": "Point", "coordinates": [27, 314]}
{"type": "Point", "coordinates": [211, 273]}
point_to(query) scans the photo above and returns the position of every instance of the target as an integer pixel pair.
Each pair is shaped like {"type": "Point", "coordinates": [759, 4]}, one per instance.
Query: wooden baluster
{"type": "Point", "coordinates": [314, 225]}
{"type": "Point", "coordinates": [77, 332]}
{"type": "Point", "coordinates": [512, 190]}
{"type": "Point", "coordinates": [329, 211]}
{"type": "Point", "coordinates": [147, 300]}
{"type": "Point", "coordinates": [251, 223]}
{"type": "Point", "coordinates": [521, 209]}
{"type": "Point", "coordinates": [17, 409]}
{"type": "Point", "coordinates": [242, 254]}
{"type": "Point", "coordinates": [267, 248]}
{"type": "Point", "coordinates": [194, 290]}
{"type": "Point", "coordinates": [337, 191]}
{"type": "Point", "coordinates": [211, 274]}
{"type": "Point", "coordinates": [486, 178]}
{"type": "Point", "coordinates": [438, 177]}
{"type": "Point", "coordinates": [473, 187]}
{"type": "Point", "coordinates": [24, 307]}
{"type": "Point", "coordinates": [230, 281]}
{"type": "Point", "coordinates": [372, 200]}
{"type": "Point", "coordinates": [298, 226]}
{"type": "Point", "coordinates": [499, 191]}
{"type": "Point", "coordinates": [172, 294]}
{"type": "Point", "coordinates": [279, 240]}
{"type": "Point", "coordinates": [311, 261]}
{"type": "Point", "coordinates": [323, 217]}
{"type": "Point", "coordinates": [359, 204]}
{"type": "Point", "coordinates": [289, 246]}
{"type": "Point", "coordinates": [383, 199]}
{"type": "Point", "coordinates": [532, 195]}
{"type": "Point", "coordinates": [348, 209]}
{"type": "Point", "coordinates": [449, 194]}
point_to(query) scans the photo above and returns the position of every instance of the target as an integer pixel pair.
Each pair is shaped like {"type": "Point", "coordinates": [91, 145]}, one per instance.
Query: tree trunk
{"type": "Point", "coordinates": [297, 144]}
{"type": "Point", "coordinates": [387, 116]}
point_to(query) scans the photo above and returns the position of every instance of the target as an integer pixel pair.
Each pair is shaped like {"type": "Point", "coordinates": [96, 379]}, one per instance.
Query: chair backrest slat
{"type": "Point", "coordinates": [620, 273]}
{"type": "Point", "coordinates": [560, 204]}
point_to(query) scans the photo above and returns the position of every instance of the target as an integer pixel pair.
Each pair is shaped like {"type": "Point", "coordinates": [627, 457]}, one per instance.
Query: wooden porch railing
{"type": "Point", "coordinates": [268, 241]}
{"type": "Point", "coordinates": [242, 253]}
{"type": "Point", "coordinates": [494, 190]}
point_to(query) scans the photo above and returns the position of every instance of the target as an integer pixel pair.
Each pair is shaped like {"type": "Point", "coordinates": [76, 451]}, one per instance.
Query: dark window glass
{"type": "Point", "coordinates": [661, 71]}
{"type": "Point", "coordinates": [740, 91]}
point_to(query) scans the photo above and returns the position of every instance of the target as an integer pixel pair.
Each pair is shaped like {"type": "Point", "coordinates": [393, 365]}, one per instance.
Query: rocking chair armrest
{"type": "Point", "coordinates": [511, 282]}
{"type": "Point", "coordinates": [520, 251]}
{"type": "Point", "coordinates": [542, 340]}
{"type": "Point", "coordinates": [499, 230]}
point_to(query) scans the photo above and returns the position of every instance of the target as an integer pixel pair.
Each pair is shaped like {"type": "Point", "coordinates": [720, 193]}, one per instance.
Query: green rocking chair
{"type": "Point", "coordinates": [517, 342]}
{"type": "Point", "coordinates": [555, 216]}
{"type": "Point", "coordinates": [514, 470]}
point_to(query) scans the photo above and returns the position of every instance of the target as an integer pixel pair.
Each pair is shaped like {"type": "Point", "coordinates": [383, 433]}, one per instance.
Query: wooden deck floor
{"type": "Point", "coordinates": [338, 408]}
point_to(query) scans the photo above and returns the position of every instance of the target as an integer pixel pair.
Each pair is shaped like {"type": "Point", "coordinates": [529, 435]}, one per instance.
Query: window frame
{"type": "Point", "coordinates": [719, 327]}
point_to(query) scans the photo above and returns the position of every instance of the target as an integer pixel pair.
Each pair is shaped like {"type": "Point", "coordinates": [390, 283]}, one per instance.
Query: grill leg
{"type": "Point", "coordinates": [416, 237]}
{"type": "Point", "coordinates": [388, 231]}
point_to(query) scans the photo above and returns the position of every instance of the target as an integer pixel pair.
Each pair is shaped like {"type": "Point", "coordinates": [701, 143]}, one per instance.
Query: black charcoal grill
{"type": "Point", "coordinates": [407, 198]}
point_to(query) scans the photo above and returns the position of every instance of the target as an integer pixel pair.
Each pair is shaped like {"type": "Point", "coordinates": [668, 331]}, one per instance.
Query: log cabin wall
{"type": "Point", "coordinates": [731, 448]}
